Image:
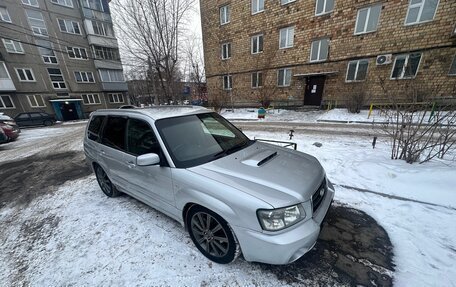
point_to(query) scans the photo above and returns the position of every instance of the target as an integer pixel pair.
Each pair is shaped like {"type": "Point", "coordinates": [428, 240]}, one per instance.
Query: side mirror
{"type": "Point", "coordinates": [148, 159]}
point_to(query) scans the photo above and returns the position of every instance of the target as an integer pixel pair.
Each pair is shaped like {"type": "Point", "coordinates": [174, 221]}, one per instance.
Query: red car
{"type": "Point", "coordinates": [9, 127]}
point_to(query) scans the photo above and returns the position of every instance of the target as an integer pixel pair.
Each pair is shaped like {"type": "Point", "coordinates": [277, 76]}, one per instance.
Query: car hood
{"type": "Point", "coordinates": [276, 175]}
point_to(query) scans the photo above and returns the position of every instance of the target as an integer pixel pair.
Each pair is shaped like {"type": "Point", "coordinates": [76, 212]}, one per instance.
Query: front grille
{"type": "Point", "coordinates": [317, 197]}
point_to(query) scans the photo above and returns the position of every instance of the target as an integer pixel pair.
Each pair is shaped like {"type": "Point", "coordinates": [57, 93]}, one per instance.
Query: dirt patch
{"type": "Point", "coordinates": [23, 180]}
{"type": "Point", "coordinates": [353, 249]}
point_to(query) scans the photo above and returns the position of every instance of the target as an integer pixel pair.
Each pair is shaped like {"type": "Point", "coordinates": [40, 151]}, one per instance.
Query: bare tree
{"type": "Point", "coordinates": [150, 31]}
{"type": "Point", "coordinates": [195, 63]}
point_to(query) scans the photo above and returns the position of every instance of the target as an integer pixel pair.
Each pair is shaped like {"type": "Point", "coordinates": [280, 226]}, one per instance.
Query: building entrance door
{"type": "Point", "coordinates": [69, 112]}
{"type": "Point", "coordinates": [314, 90]}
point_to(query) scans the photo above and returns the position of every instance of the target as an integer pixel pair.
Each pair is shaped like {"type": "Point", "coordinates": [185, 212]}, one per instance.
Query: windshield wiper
{"type": "Point", "coordinates": [233, 149]}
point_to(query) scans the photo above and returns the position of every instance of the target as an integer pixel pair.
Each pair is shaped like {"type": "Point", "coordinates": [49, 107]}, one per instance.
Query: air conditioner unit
{"type": "Point", "coordinates": [384, 59]}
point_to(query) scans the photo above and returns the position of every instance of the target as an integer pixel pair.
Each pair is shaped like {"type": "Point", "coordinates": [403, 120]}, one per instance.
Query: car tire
{"type": "Point", "coordinates": [48, 123]}
{"type": "Point", "coordinates": [105, 183]}
{"type": "Point", "coordinates": [212, 235]}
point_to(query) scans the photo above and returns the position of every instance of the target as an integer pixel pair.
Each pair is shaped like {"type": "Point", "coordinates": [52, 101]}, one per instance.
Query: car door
{"type": "Point", "coordinates": [153, 183]}
{"type": "Point", "coordinates": [23, 119]}
{"type": "Point", "coordinates": [36, 119]}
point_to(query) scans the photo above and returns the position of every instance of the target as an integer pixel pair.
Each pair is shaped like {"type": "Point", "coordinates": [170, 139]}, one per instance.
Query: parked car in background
{"type": "Point", "coordinates": [3, 137]}
{"type": "Point", "coordinates": [34, 119]}
{"type": "Point", "coordinates": [9, 127]}
{"type": "Point", "coordinates": [231, 193]}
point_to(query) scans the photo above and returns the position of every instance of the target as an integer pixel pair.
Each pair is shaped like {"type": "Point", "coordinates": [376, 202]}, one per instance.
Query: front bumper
{"type": "Point", "coordinates": [285, 246]}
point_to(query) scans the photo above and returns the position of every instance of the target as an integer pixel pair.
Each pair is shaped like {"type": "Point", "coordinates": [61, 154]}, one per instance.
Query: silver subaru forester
{"type": "Point", "coordinates": [231, 193]}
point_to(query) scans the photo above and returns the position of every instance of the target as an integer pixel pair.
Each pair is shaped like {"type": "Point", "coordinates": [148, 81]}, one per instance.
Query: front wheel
{"type": "Point", "coordinates": [212, 235]}
{"type": "Point", "coordinates": [105, 183]}
{"type": "Point", "coordinates": [48, 123]}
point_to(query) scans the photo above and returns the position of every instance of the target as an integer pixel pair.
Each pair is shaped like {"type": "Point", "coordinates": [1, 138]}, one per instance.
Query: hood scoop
{"type": "Point", "coordinates": [260, 158]}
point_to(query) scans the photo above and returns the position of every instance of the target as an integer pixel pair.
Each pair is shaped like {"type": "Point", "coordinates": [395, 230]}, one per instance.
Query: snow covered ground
{"type": "Point", "coordinates": [88, 239]}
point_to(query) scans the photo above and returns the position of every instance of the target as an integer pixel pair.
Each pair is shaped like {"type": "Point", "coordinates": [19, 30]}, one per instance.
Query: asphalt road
{"type": "Point", "coordinates": [353, 249]}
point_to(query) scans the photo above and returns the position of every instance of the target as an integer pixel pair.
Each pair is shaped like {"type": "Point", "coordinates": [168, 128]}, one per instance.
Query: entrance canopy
{"type": "Point", "coordinates": [66, 100]}
{"type": "Point", "coordinates": [316, 74]}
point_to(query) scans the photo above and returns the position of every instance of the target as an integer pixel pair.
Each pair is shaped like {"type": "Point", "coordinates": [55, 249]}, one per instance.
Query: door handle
{"type": "Point", "coordinates": [131, 164]}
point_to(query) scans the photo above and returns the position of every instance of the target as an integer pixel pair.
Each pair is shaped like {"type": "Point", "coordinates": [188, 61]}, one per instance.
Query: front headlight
{"type": "Point", "coordinates": [277, 219]}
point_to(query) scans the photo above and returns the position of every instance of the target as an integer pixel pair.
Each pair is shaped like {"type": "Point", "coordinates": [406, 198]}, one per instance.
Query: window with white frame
{"type": "Point", "coordinates": [36, 21]}
{"type": "Point", "coordinates": [257, 6]}
{"type": "Point", "coordinates": [227, 82]}
{"type": "Point", "coordinates": [284, 77]}
{"type": "Point", "coordinates": [4, 72]}
{"type": "Point", "coordinates": [46, 51]}
{"type": "Point", "coordinates": [453, 67]}
{"type": "Point", "coordinates": [108, 75]}
{"type": "Point", "coordinates": [421, 11]}
{"type": "Point", "coordinates": [323, 7]}
{"type": "Point", "coordinates": [94, 5]}
{"type": "Point", "coordinates": [116, 98]}
{"type": "Point", "coordinates": [77, 53]}
{"type": "Point", "coordinates": [357, 71]}
{"type": "Point", "coordinates": [91, 99]}
{"type": "Point", "coordinates": [226, 51]}
{"type": "Point", "coordinates": [57, 79]}
{"type": "Point", "coordinates": [69, 26]}
{"type": "Point", "coordinates": [4, 16]}
{"type": "Point", "coordinates": [256, 44]}
{"type": "Point", "coordinates": [257, 79]}
{"type": "Point", "coordinates": [106, 53]}
{"type": "Point", "coordinates": [33, 3]}
{"type": "Point", "coordinates": [25, 74]}
{"type": "Point", "coordinates": [406, 66]}
{"type": "Point", "coordinates": [286, 37]}
{"type": "Point", "coordinates": [319, 50]}
{"type": "Point", "coordinates": [67, 3]}
{"type": "Point", "coordinates": [36, 101]}
{"type": "Point", "coordinates": [6, 102]}
{"type": "Point", "coordinates": [225, 14]}
{"type": "Point", "coordinates": [84, 77]}
{"type": "Point", "coordinates": [14, 47]}
{"type": "Point", "coordinates": [367, 19]}
{"type": "Point", "coordinates": [102, 28]}
{"type": "Point", "coordinates": [283, 2]}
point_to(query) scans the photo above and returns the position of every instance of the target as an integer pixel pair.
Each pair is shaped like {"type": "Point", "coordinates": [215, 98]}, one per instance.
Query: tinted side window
{"type": "Point", "coordinates": [141, 138]}
{"type": "Point", "coordinates": [35, 115]}
{"type": "Point", "coordinates": [23, 116]}
{"type": "Point", "coordinates": [114, 132]}
{"type": "Point", "coordinates": [95, 127]}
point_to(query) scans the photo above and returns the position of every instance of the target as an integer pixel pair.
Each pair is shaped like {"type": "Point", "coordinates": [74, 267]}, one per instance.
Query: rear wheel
{"type": "Point", "coordinates": [212, 235]}
{"type": "Point", "coordinates": [48, 123]}
{"type": "Point", "coordinates": [105, 183]}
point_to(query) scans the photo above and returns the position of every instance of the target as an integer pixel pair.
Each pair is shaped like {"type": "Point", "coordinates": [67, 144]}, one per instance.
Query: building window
{"type": "Point", "coordinates": [77, 53]}
{"type": "Point", "coordinates": [67, 3]}
{"type": "Point", "coordinates": [257, 79]}
{"type": "Point", "coordinates": [33, 3]}
{"type": "Point", "coordinates": [225, 14]}
{"type": "Point", "coordinates": [102, 28]}
{"type": "Point", "coordinates": [256, 44]}
{"type": "Point", "coordinates": [286, 37]}
{"type": "Point", "coordinates": [319, 50]}
{"type": "Point", "coordinates": [421, 11]}
{"type": "Point", "coordinates": [227, 82]}
{"type": "Point", "coordinates": [257, 6]}
{"type": "Point", "coordinates": [36, 22]}
{"type": "Point", "coordinates": [106, 53]}
{"type": "Point", "coordinates": [226, 51]}
{"type": "Point", "coordinates": [283, 2]}
{"type": "Point", "coordinates": [69, 26]}
{"type": "Point", "coordinates": [357, 71]}
{"type": "Point", "coordinates": [91, 99]}
{"type": "Point", "coordinates": [284, 77]}
{"type": "Point", "coordinates": [406, 66]}
{"type": "Point", "coordinates": [57, 80]}
{"type": "Point", "coordinates": [108, 75]}
{"type": "Point", "coordinates": [323, 7]}
{"type": "Point", "coordinates": [6, 102]}
{"type": "Point", "coordinates": [95, 5]}
{"type": "Point", "coordinates": [46, 51]}
{"type": "Point", "coordinates": [4, 72]}
{"type": "Point", "coordinates": [4, 16]}
{"type": "Point", "coordinates": [25, 74]}
{"type": "Point", "coordinates": [36, 101]}
{"type": "Point", "coordinates": [453, 67]}
{"type": "Point", "coordinates": [14, 47]}
{"type": "Point", "coordinates": [116, 98]}
{"type": "Point", "coordinates": [84, 77]}
{"type": "Point", "coordinates": [367, 19]}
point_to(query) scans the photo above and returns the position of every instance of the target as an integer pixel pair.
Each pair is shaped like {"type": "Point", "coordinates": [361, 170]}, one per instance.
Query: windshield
{"type": "Point", "coordinates": [197, 139]}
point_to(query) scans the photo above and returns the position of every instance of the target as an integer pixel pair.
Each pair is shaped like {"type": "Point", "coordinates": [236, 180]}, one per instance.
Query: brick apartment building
{"type": "Point", "coordinates": [59, 57]}
{"type": "Point", "coordinates": [308, 52]}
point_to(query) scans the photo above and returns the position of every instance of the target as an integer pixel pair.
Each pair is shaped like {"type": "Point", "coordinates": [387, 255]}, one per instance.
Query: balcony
{"type": "Point", "coordinates": [102, 41]}
{"type": "Point", "coordinates": [108, 64]}
{"type": "Point", "coordinates": [7, 85]}
{"type": "Point", "coordinates": [114, 86]}
{"type": "Point", "coordinates": [96, 15]}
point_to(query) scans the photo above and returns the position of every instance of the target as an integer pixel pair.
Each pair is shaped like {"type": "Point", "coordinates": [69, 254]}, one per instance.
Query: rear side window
{"type": "Point", "coordinates": [114, 133]}
{"type": "Point", "coordinates": [23, 116]}
{"type": "Point", "coordinates": [95, 127]}
{"type": "Point", "coordinates": [35, 115]}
